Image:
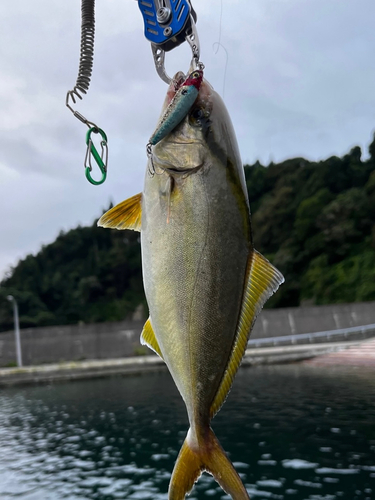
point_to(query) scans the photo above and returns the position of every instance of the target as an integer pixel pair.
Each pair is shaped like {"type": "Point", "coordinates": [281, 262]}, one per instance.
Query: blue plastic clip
{"type": "Point", "coordinates": [164, 19]}
{"type": "Point", "coordinates": [168, 23]}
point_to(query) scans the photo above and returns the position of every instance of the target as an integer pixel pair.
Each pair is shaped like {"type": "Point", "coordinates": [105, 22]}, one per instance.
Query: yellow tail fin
{"type": "Point", "coordinates": [208, 456]}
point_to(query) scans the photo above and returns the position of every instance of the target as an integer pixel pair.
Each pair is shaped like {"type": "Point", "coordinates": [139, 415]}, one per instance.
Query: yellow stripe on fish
{"type": "Point", "coordinates": [263, 280]}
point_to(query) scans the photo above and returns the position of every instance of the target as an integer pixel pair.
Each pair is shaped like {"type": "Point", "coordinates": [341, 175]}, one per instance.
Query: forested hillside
{"type": "Point", "coordinates": [314, 220]}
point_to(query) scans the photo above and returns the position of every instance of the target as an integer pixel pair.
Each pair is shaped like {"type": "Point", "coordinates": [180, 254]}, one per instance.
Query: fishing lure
{"type": "Point", "coordinates": [178, 108]}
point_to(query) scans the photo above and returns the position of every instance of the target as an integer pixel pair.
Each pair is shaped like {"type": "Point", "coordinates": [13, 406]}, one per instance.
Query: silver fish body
{"type": "Point", "coordinates": [196, 240]}
{"type": "Point", "coordinates": [204, 281]}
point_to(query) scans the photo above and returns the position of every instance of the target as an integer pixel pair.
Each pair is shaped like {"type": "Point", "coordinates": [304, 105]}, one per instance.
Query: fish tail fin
{"type": "Point", "coordinates": [197, 456]}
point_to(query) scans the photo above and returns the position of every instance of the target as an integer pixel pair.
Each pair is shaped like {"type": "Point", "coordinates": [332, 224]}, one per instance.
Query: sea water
{"type": "Point", "coordinates": [293, 432]}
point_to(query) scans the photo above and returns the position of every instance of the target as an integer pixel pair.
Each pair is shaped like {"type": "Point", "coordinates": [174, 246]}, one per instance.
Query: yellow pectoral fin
{"type": "Point", "coordinates": [148, 338]}
{"type": "Point", "coordinates": [125, 215]}
{"type": "Point", "coordinates": [263, 279]}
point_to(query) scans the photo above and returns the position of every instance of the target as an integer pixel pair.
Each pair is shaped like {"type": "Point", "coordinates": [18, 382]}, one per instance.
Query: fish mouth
{"type": "Point", "coordinates": [183, 171]}
{"type": "Point", "coordinates": [175, 171]}
{"type": "Point", "coordinates": [180, 155]}
{"type": "Point", "coordinates": [184, 141]}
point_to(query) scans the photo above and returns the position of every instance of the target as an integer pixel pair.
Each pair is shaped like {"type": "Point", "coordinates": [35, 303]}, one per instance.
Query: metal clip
{"type": "Point", "coordinates": [101, 160]}
{"type": "Point", "coordinates": [159, 53]}
{"type": "Point", "coordinates": [193, 40]}
{"type": "Point", "coordinates": [168, 23]}
{"type": "Point", "coordinates": [91, 149]}
{"type": "Point", "coordinates": [81, 118]}
{"type": "Point", "coordinates": [159, 59]}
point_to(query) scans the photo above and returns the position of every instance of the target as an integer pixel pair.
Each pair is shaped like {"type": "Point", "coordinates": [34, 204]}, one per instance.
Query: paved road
{"type": "Point", "coordinates": [357, 355]}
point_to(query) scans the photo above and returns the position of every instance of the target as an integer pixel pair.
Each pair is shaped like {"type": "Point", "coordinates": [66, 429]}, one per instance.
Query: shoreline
{"type": "Point", "coordinates": [80, 370]}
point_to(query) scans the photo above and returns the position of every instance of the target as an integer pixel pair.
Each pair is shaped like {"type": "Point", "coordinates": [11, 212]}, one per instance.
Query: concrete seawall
{"type": "Point", "coordinates": [80, 370]}
{"type": "Point", "coordinates": [120, 340]}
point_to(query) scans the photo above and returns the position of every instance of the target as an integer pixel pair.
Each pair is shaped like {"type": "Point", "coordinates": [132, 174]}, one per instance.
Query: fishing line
{"type": "Point", "coordinates": [226, 62]}
{"type": "Point", "coordinates": [220, 25]}
{"type": "Point", "coordinates": [219, 45]}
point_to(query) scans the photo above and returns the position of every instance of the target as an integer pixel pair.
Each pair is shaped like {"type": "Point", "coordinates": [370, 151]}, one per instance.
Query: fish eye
{"type": "Point", "coordinates": [196, 116]}
{"type": "Point", "coordinates": [197, 113]}
{"type": "Point", "coordinates": [195, 74]}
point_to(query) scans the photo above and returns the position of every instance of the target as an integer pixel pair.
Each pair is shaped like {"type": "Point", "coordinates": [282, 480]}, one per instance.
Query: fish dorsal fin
{"type": "Point", "coordinates": [263, 279]}
{"type": "Point", "coordinates": [148, 338]}
{"type": "Point", "coordinates": [125, 215]}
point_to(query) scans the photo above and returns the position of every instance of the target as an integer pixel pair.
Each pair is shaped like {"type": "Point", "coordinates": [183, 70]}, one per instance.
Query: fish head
{"type": "Point", "coordinates": [205, 132]}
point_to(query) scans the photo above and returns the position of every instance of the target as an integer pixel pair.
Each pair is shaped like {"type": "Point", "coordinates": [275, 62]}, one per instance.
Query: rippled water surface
{"type": "Point", "coordinates": [293, 432]}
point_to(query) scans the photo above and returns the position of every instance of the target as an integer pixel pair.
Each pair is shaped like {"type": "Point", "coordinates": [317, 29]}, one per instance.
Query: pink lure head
{"type": "Point", "coordinates": [195, 78]}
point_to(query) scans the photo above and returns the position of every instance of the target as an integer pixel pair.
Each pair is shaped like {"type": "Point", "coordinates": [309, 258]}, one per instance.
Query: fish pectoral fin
{"type": "Point", "coordinates": [125, 215]}
{"type": "Point", "coordinates": [207, 456]}
{"type": "Point", "coordinates": [263, 279]}
{"type": "Point", "coordinates": [148, 338]}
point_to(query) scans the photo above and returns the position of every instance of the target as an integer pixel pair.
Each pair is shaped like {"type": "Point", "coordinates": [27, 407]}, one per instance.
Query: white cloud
{"type": "Point", "coordinates": [299, 82]}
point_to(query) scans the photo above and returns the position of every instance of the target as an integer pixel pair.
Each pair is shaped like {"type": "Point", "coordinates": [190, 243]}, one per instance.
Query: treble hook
{"type": "Point", "coordinates": [100, 159]}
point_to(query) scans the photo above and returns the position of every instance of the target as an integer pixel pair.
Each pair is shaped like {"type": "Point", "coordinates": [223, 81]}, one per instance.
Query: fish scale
{"type": "Point", "coordinates": [205, 283]}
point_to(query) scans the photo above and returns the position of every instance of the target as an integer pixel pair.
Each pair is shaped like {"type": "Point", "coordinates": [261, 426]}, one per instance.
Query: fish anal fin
{"type": "Point", "coordinates": [263, 279]}
{"type": "Point", "coordinates": [148, 338]}
{"type": "Point", "coordinates": [125, 215]}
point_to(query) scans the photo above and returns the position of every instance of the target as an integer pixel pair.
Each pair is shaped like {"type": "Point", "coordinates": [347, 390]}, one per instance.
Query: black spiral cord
{"type": "Point", "coordinates": [86, 58]}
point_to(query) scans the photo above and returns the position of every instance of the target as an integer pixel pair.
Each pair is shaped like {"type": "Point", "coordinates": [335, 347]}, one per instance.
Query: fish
{"type": "Point", "coordinates": [204, 281]}
{"type": "Point", "coordinates": [179, 106]}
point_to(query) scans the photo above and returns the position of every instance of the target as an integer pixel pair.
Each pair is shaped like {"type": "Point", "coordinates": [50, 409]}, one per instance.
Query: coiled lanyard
{"type": "Point", "coordinates": [86, 61]}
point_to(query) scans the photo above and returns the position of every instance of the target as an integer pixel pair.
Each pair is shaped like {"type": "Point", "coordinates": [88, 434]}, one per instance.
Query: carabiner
{"type": "Point", "coordinates": [101, 159]}
{"type": "Point", "coordinates": [168, 23]}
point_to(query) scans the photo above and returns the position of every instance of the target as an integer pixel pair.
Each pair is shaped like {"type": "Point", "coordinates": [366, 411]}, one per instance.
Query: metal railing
{"type": "Point", "coordinates": [365, 331]}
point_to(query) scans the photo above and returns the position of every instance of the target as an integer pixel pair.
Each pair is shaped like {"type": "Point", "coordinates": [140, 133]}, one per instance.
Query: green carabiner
{"type": "Point", "coordinates": [101, 159]}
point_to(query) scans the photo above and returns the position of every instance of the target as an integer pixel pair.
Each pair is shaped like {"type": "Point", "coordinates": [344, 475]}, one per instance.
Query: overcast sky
{"type": "Point", "coordinates": [300, 81]}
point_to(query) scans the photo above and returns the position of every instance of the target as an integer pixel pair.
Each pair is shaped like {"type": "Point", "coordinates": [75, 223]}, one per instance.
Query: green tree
{"type": "Point", "coordinates": [314, 220]}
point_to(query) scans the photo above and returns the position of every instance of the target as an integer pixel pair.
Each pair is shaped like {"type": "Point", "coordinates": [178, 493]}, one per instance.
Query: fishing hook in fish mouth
{"type": "Point", "coordinates": [149, 156]}
{"type": "Point", "coordinates": [152, 171]}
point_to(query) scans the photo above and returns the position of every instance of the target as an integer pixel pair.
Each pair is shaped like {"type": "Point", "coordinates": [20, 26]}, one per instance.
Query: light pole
{"type": "Point", "coordinates": [16, 329]}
